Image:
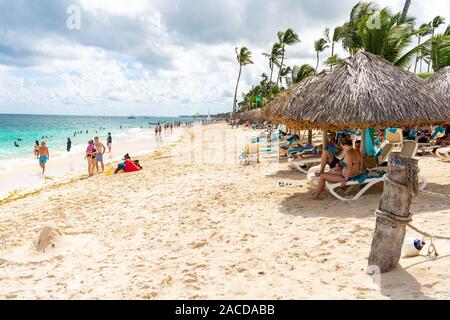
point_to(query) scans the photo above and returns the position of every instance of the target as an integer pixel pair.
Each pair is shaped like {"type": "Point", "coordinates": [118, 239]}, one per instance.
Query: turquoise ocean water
{"type": "Point", "coordinates": [25, 129]}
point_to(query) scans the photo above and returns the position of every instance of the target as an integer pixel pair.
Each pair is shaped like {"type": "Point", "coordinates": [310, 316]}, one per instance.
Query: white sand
{"type": "Point", "coordinates": [194, 224]}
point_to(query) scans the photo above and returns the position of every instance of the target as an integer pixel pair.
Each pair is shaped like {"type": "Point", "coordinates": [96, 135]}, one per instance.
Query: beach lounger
{"type": "Point", "coordinates": [443, 154]}
{"type": "Point", "coordinates": [305, 164]}
{"type": "Point", "coordinates": [394, 136]}
{"type": "Point", "coordinates": [366, 181]}
{"type": "Point", "coordinates": [409, 149]}
{"type": "Point", "coordinates": [427, 148]}
{"type": "Point", "coordinates": [383, 152]}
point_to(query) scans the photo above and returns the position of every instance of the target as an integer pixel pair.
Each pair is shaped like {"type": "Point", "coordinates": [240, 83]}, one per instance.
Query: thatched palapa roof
{"type": "Point", "coordinates": [251, 115]}
{"type": "Point", "coordinates": [440, 84]}
{"type": "Point", "coordinates": [366, 91]}
{"type": "Point", "coordinates": [275, 110]}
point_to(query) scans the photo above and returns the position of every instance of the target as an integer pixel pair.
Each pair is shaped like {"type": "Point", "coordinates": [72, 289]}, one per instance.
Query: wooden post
{"type": "Point", "coordinates": [400, 186]}
{"type": "Point", "coordinates": [309, 136]}
{"type": "Point", "coordinates": [362, 149]}
{"type": "Point", "coordinates": [324, 139]}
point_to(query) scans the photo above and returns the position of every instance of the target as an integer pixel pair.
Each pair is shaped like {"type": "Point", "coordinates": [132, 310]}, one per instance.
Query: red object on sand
{"type": "Point", "coordinates": [130, 166]}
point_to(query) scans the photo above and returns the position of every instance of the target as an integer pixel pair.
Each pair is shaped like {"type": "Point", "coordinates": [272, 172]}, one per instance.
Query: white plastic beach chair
{"type": "Point", "coordinates": [409, 149]}
{"type": "Point", "coordinates": [396, 138]}
{"type": "Point", "coordinates": [427, 148]}
{"type": "Point", "coordinates": [368, 183]}
{"type": "Point", "coordinates": [443, 153]}
{"type": "Point", "coordinates": [304, 165]}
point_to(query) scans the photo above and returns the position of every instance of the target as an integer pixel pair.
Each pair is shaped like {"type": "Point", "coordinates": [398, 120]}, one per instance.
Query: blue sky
{"type": "Point", "coordinates": [153, 57]}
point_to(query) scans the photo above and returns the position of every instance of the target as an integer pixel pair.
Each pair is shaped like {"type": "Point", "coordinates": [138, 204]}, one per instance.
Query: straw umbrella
{"type": "Point", "coordinates": [274, 111]}
{"type": "Point", "coordinates": [440, 83]}
{"type": "Point", "coordinates": [368, 91]}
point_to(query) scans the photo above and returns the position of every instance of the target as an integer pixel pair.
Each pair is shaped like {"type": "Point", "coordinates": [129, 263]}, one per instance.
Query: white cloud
{"type": "Point", "coordinates": [154, 57]}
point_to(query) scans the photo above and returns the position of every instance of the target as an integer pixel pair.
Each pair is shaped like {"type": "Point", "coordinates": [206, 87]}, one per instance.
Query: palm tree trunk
{"type": "Point", "coordinates": [332, 54]}
{"type": "Point", "coordinates": [235, 92]}
{"type": "Point", "coordinates": [405, 9]}
{"type": "Point", "coordinates": [281, 65]}
{"type": "Point", "coordinates": [417, 57]}
{"type": "Point", "coordinates": [317, 65]}
{"type": "Point", "coordinates": [431, 58]}
{"type": "Point", "coordinates": [271, 73]}
{"type": "Point", "coordinates": [421, 62]}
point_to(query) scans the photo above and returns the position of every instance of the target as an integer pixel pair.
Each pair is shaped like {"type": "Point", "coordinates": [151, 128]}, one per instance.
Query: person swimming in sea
{"type": "Point", "coordinates": [16, 145]}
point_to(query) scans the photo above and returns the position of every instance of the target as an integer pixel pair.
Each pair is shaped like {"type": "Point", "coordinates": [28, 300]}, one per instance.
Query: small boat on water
{"type": "Point", "coordinates": [132, 117]}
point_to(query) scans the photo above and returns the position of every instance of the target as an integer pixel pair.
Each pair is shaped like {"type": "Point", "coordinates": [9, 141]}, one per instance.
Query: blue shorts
{"type": "Point", "coordinates": [43, 159]}
{"type": "Point", "coordinates": [99, 157]}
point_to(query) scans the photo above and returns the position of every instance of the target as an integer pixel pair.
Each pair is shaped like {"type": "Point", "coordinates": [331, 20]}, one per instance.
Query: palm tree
{"type": "Point", "coordinates": [285, 73]}
{"type": "Point", "coordinates": [389, 38]}
{"type": "Point", "coordinates": [320, 46]}
{"type": "Point", "coordinates": [405, 10]}
{"type": "Point", "coordinates": [438, 50]}
{"type": "Point", "coordinates": [424, 30]}
{"type": "Point", "coordinates": [243, 57]}
{"type": "Point", "coordinates": [349, 31]}
{"type": "Point", "coordinates": [274, 57]}
{"type": "Point", "coordinates": [302, 72]}
{"type": "Point", "coordinates": [286, 38]}
{"type": "Point", "coordinates": [334, 61]}
{"type": "Point", "coordinates": [336, 37]}
{"type": "Point", "coordinates": [435, 23]}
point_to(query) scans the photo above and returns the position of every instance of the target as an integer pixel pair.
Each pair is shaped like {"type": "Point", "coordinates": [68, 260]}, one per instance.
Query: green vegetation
{"type": "Point", "coordinates": [373, 29]}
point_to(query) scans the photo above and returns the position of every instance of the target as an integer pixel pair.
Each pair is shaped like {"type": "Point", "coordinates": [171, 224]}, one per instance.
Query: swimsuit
{"type": "Point", "coordinates": [43, 159]}
{"type": "Point", "coordinates": [99, 157]}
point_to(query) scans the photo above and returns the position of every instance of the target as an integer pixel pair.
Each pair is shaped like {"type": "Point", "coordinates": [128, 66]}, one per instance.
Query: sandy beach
{"type": "Point", "coordinates": [195, 224]}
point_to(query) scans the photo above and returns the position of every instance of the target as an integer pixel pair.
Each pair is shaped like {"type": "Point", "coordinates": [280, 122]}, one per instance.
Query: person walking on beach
{"type": "Point", "coordinates": [44, 156]}
{"type": "Point", "coordinates": [36, 149]}
{"type": "Point", "coordinates": [100, 147]}
{"type": "Point", "coordinates": [90, 157]}
{"type": "Point", "coordinates": [69, 144]}
{"type": "Point", "coordinates": [109, 142]}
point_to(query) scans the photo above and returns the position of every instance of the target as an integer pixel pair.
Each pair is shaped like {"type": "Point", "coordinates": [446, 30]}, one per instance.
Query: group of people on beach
{"type": "Point", "coordinates": [94, 153]}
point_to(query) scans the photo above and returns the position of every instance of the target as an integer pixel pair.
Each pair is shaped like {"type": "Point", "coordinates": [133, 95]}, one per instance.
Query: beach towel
{"type": "Point", "coordinates": [437, 131]}
{"type": "Point", "coordinates": [130, 166]}
{"type": "Point", "coordinates": [364, 176]}
{"type": "Point", "coordinates": [297, 150]}
{"type": "Point", "coordinates": [370, 148]}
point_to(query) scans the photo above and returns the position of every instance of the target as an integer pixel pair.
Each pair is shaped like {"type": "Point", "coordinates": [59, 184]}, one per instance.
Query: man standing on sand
{"type": "Point", "coordinates": [100, 147]}
{"type": "Point", "coordinates": [109, 142]}
{"type": "Point", "coordinates": [44, 156]}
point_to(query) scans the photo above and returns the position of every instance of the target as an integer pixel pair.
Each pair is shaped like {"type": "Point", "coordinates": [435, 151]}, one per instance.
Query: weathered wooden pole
{"type": "Point", "coordinates": [362, 148]}
{"type": "Point", "coordinates": [309, 136]}
{"type": "Point", "coordinates": [400, 186]}
{"type": "Point", "coordinates": [324, 139]}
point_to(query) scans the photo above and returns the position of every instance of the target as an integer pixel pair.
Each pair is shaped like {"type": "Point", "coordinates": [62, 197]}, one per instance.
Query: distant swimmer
{"type": "Point", "coordinates": [69, 144]}
{"type": "Point", "coordinates": [16, 145]}
{"type": "Point", "coordinates": [109, 142]}
{"type": "Point", "coordinates": [44, 156]}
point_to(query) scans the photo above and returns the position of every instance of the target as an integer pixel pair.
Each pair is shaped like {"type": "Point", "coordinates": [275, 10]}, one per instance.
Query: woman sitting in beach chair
{"type": "Point", "coordinates": [351, 166]}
